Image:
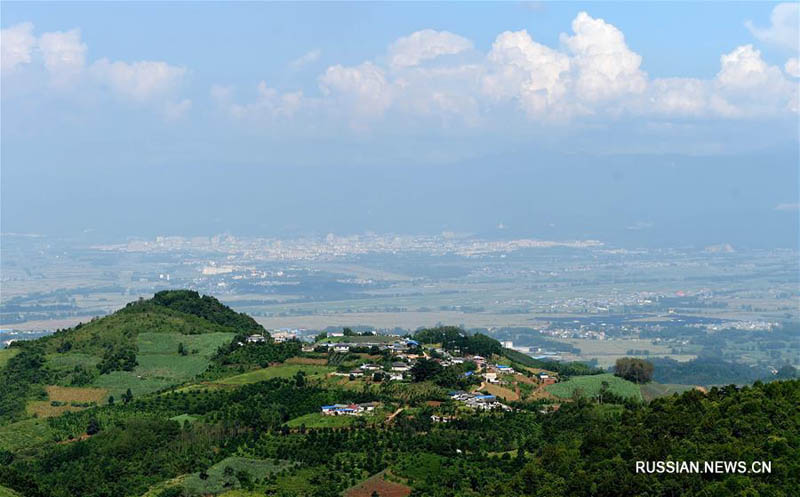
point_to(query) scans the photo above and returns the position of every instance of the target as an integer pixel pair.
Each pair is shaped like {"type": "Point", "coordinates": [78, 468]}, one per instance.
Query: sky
{"type": "Point", "coordinates": [652, 123]}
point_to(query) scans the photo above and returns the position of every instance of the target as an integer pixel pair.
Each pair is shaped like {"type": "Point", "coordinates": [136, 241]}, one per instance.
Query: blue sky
{"type": "Point", "coordinates": [106, 90]}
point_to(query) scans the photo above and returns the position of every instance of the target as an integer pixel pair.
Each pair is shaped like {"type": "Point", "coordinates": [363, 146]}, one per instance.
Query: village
{"type": "Point", "coordinates": [487, 385]}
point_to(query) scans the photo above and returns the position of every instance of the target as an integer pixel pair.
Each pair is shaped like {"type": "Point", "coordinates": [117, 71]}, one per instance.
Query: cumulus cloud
{"type": "Point", "coordinates": [364, 88]}
{"type": "Point", "coordinates": [16, 45]}
{"type": "Point", "coordinates": [605, 67]}
{"type": "Point", "coordinates": [64, 55]}
{"type": "Point", "coordinates": [425, 45]}
{"type": "Point", "coordinates": [269, 105]}
{"type": "Point", "coordinates": [305, 59]}
{"type": "Point", "coordinates": [784, 27]}
{"type": "Point", "coordinates": [139, 81]}
{"type": "Point", "coordinates": [521, 68]}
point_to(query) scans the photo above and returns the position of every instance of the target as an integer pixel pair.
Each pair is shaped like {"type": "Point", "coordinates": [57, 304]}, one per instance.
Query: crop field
{"type": "Point", "coordinates": [217, 482]}
{"type": "Point", "coordinates": [590, 385]}
{"type": "Point", "coordinates": [501, 392]}
{"type": "Point", "coordinates": [206, 344]}
{"type": "Point", "coordinates": [67, 362]}
{"type": "Point", "coordinates": [378, 484]}
{"type": "Point", "coordinates": [24, 433]}
{"type": "Point", "coordinates": [160, 364]}
{"type": "Point", "coordinates": [280, 371]}
{"type": "Point", "coordinates": [68, 399]}
{"type": "Point", "coordinates": [318, 420]}
{"type": "Point", "coordinates": [321, 361]}
{"type": "Point", "coordinates": [608, 351]}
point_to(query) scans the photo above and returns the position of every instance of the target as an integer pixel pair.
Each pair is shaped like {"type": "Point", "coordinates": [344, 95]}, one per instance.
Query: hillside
{"type": "Point", "coordinates": [145, 346]}
{"type": "Point", "coordinates": [192, 413]}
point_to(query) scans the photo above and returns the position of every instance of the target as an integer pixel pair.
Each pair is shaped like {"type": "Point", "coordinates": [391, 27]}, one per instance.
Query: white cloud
{"type": "Point", "coordinates": [792, 67]}
{"type": "Point", "coordinates": [139, 81]}
{"type": "Point", "coordinates": [521, 68]}
{"type": "Point", "coordinates": [783, 28]}
{"type": "Point", "coordinates": [751, 86]}
{"type": "Point", "coordinates": [269, 104]}
{"type": "Point", "coordinates": [64, 55]}
{"type": "Point", "coordinates": [305, 59]}
{"type": "Point", "coordinates": [605, 66]}
{"type": "Point", "coordinates": [364, 88]}
{"type": "Point", "coordinates": [16, 45]}
{"type": "Point", "coordinates": [427, 44]}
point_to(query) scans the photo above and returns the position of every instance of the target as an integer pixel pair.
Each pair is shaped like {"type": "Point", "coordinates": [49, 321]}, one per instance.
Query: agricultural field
{"type": "Point", "coordinates": [160, 364]}
{"type": "Point", "coordinates": [279, 371]}
{"type": "Point", "coordinates": [380, 485]}
{"type": "Point", "coordinates": [68, 361]}
{"type": "Point", "coordinates": [218, 482]}
{"type": "Point", "coordinates": [590, 385]}
{"type": "Point", "coordinates": [608, 351]}
{"type": "Point", "coordinates": [26, 433]}
{"type": "Point", "coordinates": [318, 420]}
{"type": "Point", "coordinates": [63, 399]}
{"type": "Point", "coordinates": [501, 392]}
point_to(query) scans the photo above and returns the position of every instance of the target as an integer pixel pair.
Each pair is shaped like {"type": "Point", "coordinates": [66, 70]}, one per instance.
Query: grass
{"type": "Point", "coordinates": [318, 420]}
{"type": "Point", "coordinates": [182, 418]}
{"type": "Point", "coordinates": [26, 433]}
{"type": "Point", "coordinates": [216, 481]}
{"type": "Point", "coordinates": [279, 371]}
{"type": "Point", "coordinates": [160, 364]}
{"type": "Point", "coordinates": [6, 355]}
{"type": "Point", "coordinates": [67, 396]}
{"type": "Point", "coordinates": [7, 492]}
{"type": "Point", "coordinates": [68, 361]}
{"type": "Point", "coordinates": [590, 385]}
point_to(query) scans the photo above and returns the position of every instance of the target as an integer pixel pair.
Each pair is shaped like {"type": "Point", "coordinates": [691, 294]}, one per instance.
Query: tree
{"type": "Point", "coordinates": [182, 349]}
{"type": "Point", "coordinates": [111, 400]}
{"type": "Point", "coordinates": [93, 427]}
{"type": "Point", "coordinates": [127, 396]}
{"type": "Point", "coordinates": [425, 369]}
{"type": "Point", "coordinates": [635, 370]}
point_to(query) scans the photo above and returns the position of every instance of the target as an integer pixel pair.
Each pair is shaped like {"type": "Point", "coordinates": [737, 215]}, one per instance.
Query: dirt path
{"type": "Point", "coordinates": [392, 415]}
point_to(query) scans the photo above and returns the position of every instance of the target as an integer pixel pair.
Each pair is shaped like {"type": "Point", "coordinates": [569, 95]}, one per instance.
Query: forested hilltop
{"type": "Point", "coordinates": [178, 395]}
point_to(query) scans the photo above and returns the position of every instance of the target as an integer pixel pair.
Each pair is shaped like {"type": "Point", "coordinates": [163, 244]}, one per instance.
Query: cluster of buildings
{"type": "Point", "coordinates": [349, 409]}
{"type": "Point", "coordinates": [479, 401]}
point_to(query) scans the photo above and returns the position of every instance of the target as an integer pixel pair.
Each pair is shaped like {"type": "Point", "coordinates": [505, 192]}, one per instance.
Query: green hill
{"type": "Point", "coordinates": [146, 346]}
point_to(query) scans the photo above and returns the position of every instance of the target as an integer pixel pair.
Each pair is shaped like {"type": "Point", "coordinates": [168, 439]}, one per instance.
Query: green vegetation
{"type": "Point", "coordinates": [318, 420]}
{"type": "Point", "coordinates": [260, 432]}
{"type": "Point", "coordinates": [593, 385]}
{"type": "Point", "coordinates": [279, 371]}
{"type": "Point", "coordinates": [635, 370]}
{"type": "Point", "coordinates": [456, 339]}
{"type": "Point", "coordinates": [230, 473]}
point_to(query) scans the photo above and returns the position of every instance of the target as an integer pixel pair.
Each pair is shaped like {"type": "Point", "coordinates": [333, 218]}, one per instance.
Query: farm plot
{"type": "Point", "coordinates": [63, 399]}
{"type": "Point", "coordinates": [591, 385]}
{"type": "Point", "coordinates": [380, 485]}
